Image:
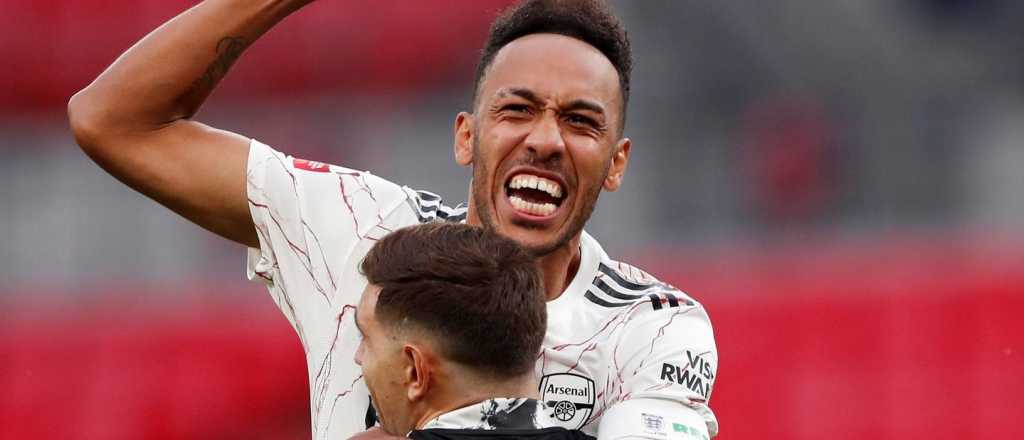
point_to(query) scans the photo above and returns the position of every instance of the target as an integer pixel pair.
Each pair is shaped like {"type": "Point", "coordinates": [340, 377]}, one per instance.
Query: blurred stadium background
{"type": "Point", "coordinates": [839, 182]}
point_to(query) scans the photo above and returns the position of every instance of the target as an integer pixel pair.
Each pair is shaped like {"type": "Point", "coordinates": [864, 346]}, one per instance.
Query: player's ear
{"type": "Point", "coordinates": [417, 372]}
{"type": "Point", "coordinates": [620, 158]}
{"type": "Point", "coordinates": [464, 138]}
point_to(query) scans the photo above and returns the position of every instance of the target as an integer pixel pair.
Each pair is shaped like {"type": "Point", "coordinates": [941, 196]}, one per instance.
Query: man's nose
{"type": "Point", "coordinates": [545, 139]}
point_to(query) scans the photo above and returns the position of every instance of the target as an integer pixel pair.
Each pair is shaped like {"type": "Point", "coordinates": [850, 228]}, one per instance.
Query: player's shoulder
{"type": "Point", "coordinates": [619, 284]}
{"type": "Point", "coordinates": [272, 167]}
{"type": "Point", "coordinates": [430, 207]}
{"type": "Point", "coordinates": [271, 170]}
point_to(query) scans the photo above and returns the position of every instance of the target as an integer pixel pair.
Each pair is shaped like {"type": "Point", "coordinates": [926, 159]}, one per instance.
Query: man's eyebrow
{"type": "Point", "coordinates": [521, 92]}
{"type": "Point", "coordinates": [585, 104]}
{"type": "Point", "coordinates": [576, 104]}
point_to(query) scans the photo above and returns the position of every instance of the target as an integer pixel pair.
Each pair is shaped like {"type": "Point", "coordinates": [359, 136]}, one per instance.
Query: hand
{"type": "Point", "coordinates": [375, 433]}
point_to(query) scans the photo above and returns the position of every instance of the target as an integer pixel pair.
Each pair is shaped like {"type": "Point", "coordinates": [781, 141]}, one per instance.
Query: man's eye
{"type": "Point", "coordinates": [579, 120]}
{"type": "Point", "coordinates": [517, 108]}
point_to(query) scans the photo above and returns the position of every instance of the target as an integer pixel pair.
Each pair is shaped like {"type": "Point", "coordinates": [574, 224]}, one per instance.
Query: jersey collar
{"type": "Point", "coordinates": [505, 413]}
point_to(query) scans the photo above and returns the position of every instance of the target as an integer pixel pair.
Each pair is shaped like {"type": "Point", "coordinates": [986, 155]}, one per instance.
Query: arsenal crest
{"type": "Point", "coordinates": [568, 399]}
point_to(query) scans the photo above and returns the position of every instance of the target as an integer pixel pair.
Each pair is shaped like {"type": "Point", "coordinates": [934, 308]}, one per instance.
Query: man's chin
{"type": "Point", "coordinates": [538, 238]}
{"type": "Point", "coordinates": [538, 242]}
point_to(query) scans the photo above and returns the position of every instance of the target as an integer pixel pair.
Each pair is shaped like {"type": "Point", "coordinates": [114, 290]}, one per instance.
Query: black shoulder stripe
{"type": "Point", "coordinates": [452, 215]}
{"type": "Point", "coordinates": [423, 206]}
{"type": "Point", "coordinates": [594, 299]}
{"type": "Point", "coordinates": [655, 301]}
{"type": "Point", "coordinates": [420, 216]}
{"type": "Point", "coordinates": [673, 301]}
{"type": "Point", "coordinates": [622, 281]}
{"type": "Point", "coordinates": [428, 196]}
{"type": "Point", "coordinates": [427, 209]}
{"type": "Point", "coordinates": [614, 293]}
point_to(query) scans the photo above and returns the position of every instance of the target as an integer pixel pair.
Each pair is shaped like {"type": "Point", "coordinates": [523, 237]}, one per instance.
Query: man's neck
{"type": "Point", "coordinates": [560, 267]}
{"type": "Point", "coordinates": [461, 395]}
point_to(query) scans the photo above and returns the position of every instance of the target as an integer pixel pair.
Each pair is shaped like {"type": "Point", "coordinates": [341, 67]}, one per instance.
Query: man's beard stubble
{"type": "Point", "coordinates": [484, 204]}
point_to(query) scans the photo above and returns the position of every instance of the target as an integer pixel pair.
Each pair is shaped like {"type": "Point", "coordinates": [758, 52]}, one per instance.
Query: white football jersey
{"type": "Point", "coordinates": [616, 333]}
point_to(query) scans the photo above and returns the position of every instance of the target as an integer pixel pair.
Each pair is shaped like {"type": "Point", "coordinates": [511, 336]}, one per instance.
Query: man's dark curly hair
{"type": "Point", "coordinates": [589, 21]}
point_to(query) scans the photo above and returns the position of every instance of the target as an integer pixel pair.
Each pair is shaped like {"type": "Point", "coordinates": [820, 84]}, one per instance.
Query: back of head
{"type": "Point", "coordinates": [589, 21]}
{"type": "Point", "coordinates": [478, 294]}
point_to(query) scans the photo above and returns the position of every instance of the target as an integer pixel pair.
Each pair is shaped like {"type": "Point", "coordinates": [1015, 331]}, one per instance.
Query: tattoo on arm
{"type": "Point", "coordinates": [228, 50]}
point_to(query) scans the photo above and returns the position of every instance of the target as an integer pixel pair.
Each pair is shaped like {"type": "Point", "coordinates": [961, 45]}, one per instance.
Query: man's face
{"type": "Point", "coordinates": [380, 356]}
{"type": "Point", "coordinates": [544, 139]}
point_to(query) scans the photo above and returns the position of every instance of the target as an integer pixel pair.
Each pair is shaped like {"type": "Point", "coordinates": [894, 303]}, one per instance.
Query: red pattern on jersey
{"type": "Point", "coordinates": [311, 165]}
{"type": "Point", "coordinates": [321, 380]}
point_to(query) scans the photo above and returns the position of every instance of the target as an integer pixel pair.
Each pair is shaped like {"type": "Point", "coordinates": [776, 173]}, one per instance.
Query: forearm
{"type": "Point", "coordinates": [133, 119]}
{"type": "Point", "coordinates": [167, 75]}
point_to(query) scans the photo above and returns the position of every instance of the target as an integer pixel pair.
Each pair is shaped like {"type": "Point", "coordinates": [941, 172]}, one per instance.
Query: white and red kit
{"type": "Point", "coordinates": [615, 334]}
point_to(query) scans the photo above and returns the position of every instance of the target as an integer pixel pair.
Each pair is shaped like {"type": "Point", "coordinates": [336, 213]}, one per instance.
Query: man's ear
{"type": "Point", "coordinates": [418, 372]}
{"type": "Point", "coordinates": [464, 138]}
{"type": "Point", "coordinates": [618, 166]}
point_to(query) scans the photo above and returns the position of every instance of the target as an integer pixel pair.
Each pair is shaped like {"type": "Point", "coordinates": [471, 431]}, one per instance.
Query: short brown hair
{"type": "Point", "coordinates": [479, 294]}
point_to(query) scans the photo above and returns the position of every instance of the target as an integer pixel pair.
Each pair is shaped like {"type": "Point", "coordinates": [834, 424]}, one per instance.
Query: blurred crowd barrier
{"type": "Point", "coordinates": [59, 47]}
{"type": "Point", "coordinates": [897, 340]}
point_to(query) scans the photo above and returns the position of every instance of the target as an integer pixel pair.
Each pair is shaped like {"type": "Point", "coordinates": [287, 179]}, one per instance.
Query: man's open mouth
{"type": "Point", "coordinates": [534, 195]}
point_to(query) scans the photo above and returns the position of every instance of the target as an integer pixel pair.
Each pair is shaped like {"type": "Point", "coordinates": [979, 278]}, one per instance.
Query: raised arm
{"type": "Point", "coordinates": [134, 120]}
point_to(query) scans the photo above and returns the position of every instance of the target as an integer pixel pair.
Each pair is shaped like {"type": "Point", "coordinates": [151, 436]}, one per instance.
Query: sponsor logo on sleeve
{"type": "Point", "coordinates": [690, 431]}
{"type": "Point", "coordinates": [696, 375]}
{"type": "Point", "coordinates": [653, 424]}
{"type": "Point", "coordinates": [309, 165]}
{"type": "Point", "coordinates": [568, 399]}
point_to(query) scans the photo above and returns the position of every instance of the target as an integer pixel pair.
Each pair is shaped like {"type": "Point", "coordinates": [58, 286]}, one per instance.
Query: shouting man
{"type": "Point", "coordinates": [625, 355]}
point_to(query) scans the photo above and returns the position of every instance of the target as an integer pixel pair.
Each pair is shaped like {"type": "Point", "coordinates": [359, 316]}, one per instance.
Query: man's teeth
{"type": "Point", "coordinates": [536, 182]}
{"type": "Point", "coordinates": [544, 209]}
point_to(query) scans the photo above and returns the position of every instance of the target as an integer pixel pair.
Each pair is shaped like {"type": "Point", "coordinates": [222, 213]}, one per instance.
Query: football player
{"type": "Point", "coordinates": [625, 355]}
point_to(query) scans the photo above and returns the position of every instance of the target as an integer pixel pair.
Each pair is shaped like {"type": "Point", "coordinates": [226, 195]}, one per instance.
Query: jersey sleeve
{"type": "Point", "coordinates": [667, 351]}
{"type": "Point", "coordinates": [309, 217]}
{"type": "Point", "coordinates": [652, 419]}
